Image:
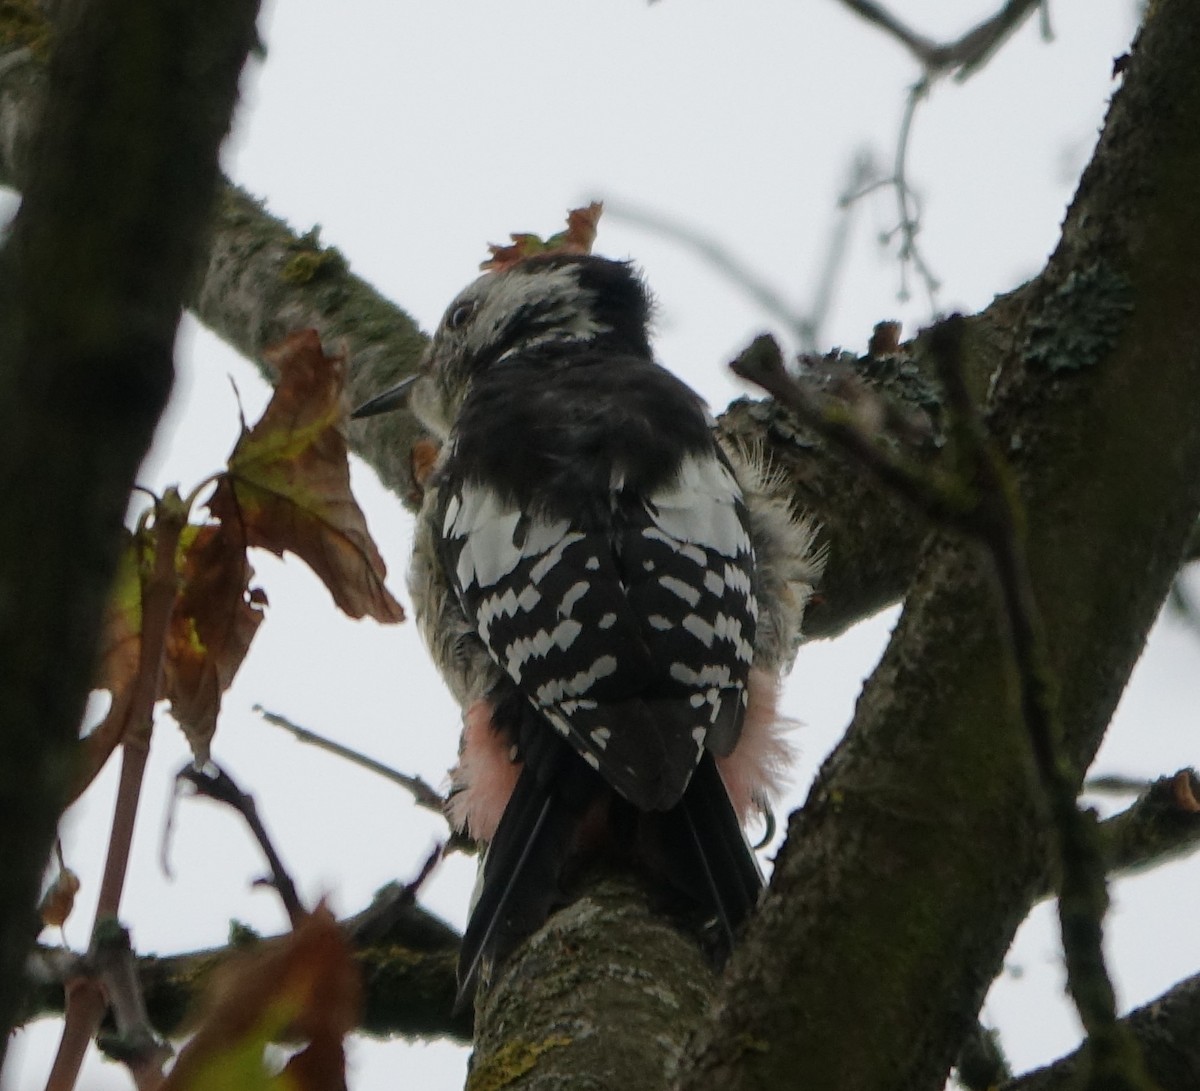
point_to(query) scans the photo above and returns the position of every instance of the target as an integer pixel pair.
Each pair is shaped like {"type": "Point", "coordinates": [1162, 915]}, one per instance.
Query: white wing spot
{"type": "Point", "coordinates": [711, 675]}
{"type": "Point", "coordinates": [552, 692]}
{"type": "Point", "coordinates": [607, 621]}
{"type": "Point", "coordinates": [700, 629]}
{"type": "Point", "coordinates": [553, 556]}
{"type": "Point", "coordinates": [693, 553]}
{"type": "Point", "coordinates": [539, 645]}
{"type": "Point", "coordinates": [684, 590]}
{"type": "Point", "coordinates": [573, 595]}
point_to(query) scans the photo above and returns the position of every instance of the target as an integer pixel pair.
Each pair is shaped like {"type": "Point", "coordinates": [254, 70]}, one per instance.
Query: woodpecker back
{"type": "Point", "coordinates": [585, 574]}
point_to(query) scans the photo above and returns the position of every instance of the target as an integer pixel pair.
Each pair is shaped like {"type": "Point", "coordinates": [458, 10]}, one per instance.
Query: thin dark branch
{"type": "Point", "coordinates": [908, 203]}
{"type": "Point", "coordinates": [408, 958]}
{"type": "Point", "coordinates": [1114, 784]}
{"type": "Point", "coordinates": [919, 46]}
{"type": "Point", "coordinates": [214, 783]}
{"type": "Point", "coordinates": [424, 795]}
{"type": "Point", "coordinates": [908, 226]}
{"type": "Point", "coordinates": [862, 170]}
{"type": "Point", "coordinates": [965, 54]}
{"type": "Point", "coordinates": [135, 1043]}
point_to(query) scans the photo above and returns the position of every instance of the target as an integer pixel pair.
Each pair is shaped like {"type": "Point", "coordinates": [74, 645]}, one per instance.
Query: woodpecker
{"type": "Point", "coordinates": [611, 595]}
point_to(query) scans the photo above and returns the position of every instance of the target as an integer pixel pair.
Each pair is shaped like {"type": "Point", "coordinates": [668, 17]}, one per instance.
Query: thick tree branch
{"type": "Point", "coordinates": [887, 911]}
{"type": "Point", "coordinates": [605, 989]}
{"type": "Point", "coordinates": [1168, 1031]}
{"type": "Point", "coordinates": [407, 955]}
{"type": "Point", "coordinates": [118, 187]}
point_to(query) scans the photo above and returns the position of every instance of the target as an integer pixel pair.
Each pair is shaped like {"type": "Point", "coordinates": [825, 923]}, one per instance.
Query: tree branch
{"type": "Point", "coordinates": [1168, 1032]}
{"type": "Point", "coordinates": [118, 186]}
{"type": "Point", "coordinates": [967, 53]}
{"type": "Point", "coordinates": [407, 955]}
{"type": "Point", "coordinates": [887, 911]}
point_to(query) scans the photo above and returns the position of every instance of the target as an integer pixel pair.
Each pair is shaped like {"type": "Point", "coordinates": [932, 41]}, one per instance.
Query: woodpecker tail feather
{"type": "Point", "coordinates": [695, 857]}
{"type": "Point", "coordinates": [703, 856]}
{"type": "Point", "coordinates": [519, 885]}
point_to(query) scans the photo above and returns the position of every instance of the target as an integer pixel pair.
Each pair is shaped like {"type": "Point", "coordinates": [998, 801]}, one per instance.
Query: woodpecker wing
{"type": "Point", "coordinates": [632, 636]}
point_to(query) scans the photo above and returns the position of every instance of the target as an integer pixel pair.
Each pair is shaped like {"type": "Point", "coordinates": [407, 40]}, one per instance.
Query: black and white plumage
{"type": "Point", "coordinates": [610, 595]}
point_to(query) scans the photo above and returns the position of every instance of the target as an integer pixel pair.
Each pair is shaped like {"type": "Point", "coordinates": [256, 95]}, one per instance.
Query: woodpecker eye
{"type": "Point", "coordinates": [459, 316]}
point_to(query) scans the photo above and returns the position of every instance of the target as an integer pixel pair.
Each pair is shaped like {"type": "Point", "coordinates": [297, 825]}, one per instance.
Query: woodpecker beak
{"type": "Point", "coordinates": [385, 402]}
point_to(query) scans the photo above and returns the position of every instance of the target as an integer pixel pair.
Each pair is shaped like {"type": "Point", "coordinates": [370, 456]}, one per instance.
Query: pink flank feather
{"type": "Point", "coordinates": [755, 770]}
{"type": "Point", "coordinates": [483, 780]}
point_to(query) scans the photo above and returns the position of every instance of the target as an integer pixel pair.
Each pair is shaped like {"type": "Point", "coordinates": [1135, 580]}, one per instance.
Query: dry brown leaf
{"type": "Point", "coordinates": [305, 985]}
{"type": "Point", "coordinates": [576, 239]}
{"type": "Point", "coordinates": [59, 900]}
{"type": "Point", "coordinates": [216, 616]}
{"type": "Point", "coordinates": [288, 482]}
{"type": "Point", "coordinates": [119, 654]}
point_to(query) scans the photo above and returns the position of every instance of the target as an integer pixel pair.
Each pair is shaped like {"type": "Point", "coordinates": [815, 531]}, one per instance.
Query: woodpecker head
{"type": "Point", "coordinates": [539, 301]}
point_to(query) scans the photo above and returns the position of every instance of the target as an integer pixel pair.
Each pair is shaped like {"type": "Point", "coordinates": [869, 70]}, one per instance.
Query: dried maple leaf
{"type": "Point", "coordinates": [215, 618]}
{"type": "Point", "coordinates": [119, 654]}
{"type": "Point", "coordinates": [288, 481]}
{"type": "Point", "coordinates": [305, 985]}
{"type": "Point", "coordinates": [59, 900]}
{"type": "Point", "coordinates": [577, 239]}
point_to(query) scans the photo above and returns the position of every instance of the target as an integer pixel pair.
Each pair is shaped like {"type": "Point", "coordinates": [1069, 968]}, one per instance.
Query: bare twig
{"type": "Point", "coordinates": [1163, 825]}
{"type": "Point", "coordinates": [908, 204]}
{"type": "Point", "coordinates": [1114, 784]}
{"type": "Point", "coordinates": [135, 1044]}
{"type": "Point", "coordinates": [158, 600]}
{"type": "Point", "coordinates": [963, 56]}
{"type": "Point", "coordinates": [862, 170]}
{"type": "Point", "coordinates": [86, 1002]}
{"type": "Point", "coordinates": [217, 784]}
{"type": "Point", "coordinates": [966, 54]}
{"type": "Point", "coordinates": [424, 795]}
